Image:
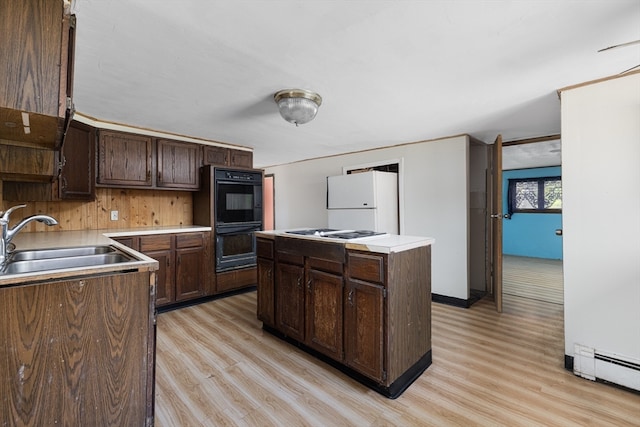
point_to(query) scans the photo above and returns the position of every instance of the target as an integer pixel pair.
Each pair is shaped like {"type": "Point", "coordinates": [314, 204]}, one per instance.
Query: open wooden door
{"type": "Point", "coordinates": [496, 223]}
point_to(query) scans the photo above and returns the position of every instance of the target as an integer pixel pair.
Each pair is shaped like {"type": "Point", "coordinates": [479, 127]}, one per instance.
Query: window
{"type": "Point", "coordinates": [535, 195]}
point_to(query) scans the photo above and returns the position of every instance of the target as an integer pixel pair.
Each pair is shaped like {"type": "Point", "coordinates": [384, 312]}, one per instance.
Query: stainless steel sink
{"type": "Point", "coordinates": [36, 254]}
{"type": "Point", "coordinates": [56, 259]}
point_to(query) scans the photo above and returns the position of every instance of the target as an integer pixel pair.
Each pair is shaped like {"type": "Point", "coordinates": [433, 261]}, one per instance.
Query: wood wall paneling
{"type": "Point", "coordinates": [136, 208]}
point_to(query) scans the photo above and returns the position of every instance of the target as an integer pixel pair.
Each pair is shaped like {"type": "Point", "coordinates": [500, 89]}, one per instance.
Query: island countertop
{"type": "Point", "coordinates": [386, 243]}
{"type": "Point", "coordinates": [65, 239]}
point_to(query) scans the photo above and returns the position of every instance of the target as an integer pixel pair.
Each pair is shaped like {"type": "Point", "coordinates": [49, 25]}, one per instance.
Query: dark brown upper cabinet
{"type": "Point", "coordinates": [125, 159]}
{"type": "Point", "coordinates": [227, 157]}
{"type": "Point", "coordinates": [178, 164]}
{"type": "Point", "coordinates": [36, 71]}
{"type": "Point", "coordinates": [77, 179]}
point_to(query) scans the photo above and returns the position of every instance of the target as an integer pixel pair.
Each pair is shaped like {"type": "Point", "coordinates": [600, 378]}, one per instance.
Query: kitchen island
{"type": "Point", "coordinates": [362, 305]}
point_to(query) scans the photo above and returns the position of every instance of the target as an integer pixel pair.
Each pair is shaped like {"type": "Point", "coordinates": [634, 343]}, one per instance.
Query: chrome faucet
{"type": "Point", "coordinates": [9, 233]}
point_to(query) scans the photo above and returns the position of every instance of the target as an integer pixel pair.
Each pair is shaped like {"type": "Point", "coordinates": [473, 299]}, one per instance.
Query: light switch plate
{"type": "Point", "coordinates": [114, 215]}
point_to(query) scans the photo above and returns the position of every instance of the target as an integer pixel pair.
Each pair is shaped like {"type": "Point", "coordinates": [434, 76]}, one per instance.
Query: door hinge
{"type": "Point", "coordinates": [384, 375]}
{"type": "Point", "coordinates": [384, 293]}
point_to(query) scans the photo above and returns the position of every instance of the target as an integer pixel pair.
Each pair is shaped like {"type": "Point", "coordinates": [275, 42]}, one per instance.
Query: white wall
{"type": "Point", "coordinates": [434, 190]}
{"type": "Point", "coordinates": [601, 215]}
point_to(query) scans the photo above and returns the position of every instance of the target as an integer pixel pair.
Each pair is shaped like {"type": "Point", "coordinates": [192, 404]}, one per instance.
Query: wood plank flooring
{"type": "Point", "coordinates": [216, 367]}
{"type": "Point", "coordinates": [535, 278]}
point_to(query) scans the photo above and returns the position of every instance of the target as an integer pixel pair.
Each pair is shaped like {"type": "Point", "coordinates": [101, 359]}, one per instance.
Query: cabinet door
{"type": "Point", "coordinates": [324, 313]}
{"type": "Point", "coordinates": [165, 289]}
{"type": "Point", "coordinates": [241, 159]}
{"type": "Point", "coordinates": [36, 70]}
{"type": "Point", "coordinates": [77, 178]}
{"type": "Point", "coordinates": [215, 155]}
{"type": "Point", "coordinates": [290, 296]}
{"type": "Point", "coordinates": [161, 248]}
{"type": "Point", "coordinates": [178, 164]}
{"type": "Point", "coordinates": [125, 159]}
{"type": "Point", "coordinates": [363, 328]}
{"type": "Point", "coordinates": [265, 306]}
{"type": "Point", "coordinates": [189, 280]}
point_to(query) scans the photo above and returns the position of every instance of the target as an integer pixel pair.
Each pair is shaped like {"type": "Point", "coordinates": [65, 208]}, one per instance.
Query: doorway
{"type": "Point", "coordinates": [532, 240]}
{"type": "Point", "coordinates": [268, 202]}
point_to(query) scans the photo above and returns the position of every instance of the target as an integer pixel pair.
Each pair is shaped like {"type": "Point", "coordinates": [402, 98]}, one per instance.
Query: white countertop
{"type": "Point", "coordinates": [64, 239]}
{"type": "Point", "coordinates": [387, 243]}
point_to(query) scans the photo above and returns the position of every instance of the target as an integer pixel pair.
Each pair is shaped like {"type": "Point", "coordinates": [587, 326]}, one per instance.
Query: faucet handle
{"type": "Point", "coordinates": [5, 215]}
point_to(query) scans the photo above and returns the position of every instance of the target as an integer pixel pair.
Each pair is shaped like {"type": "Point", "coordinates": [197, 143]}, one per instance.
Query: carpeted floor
{"type": "Point", "coordinates": [535, 278]}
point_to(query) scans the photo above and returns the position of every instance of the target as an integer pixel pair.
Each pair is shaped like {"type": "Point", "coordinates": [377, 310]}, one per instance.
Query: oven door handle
{"type": "Point", "coordinates": [235, 230]}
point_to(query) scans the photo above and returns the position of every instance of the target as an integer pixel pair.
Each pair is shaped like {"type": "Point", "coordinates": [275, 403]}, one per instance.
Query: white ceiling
{"type": "Point", "coordinates": [389, 72]}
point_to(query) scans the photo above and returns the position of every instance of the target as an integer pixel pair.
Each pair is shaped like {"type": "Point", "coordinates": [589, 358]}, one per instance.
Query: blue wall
{"type": "Point", "coordinates": [527, 234]}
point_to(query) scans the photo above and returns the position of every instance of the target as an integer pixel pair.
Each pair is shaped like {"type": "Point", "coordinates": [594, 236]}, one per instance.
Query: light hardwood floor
{"type": "Point", "coordinates": [216, 367]}
{"type": "Point", "coordinates": [535, 278]}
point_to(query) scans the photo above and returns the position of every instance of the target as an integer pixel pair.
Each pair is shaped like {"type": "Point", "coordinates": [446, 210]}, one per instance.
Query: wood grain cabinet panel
{"type": "Point", "coordinates": [182, 264]}
{"type": "Point", "coordinates": [78, 352]}
{"type": "Point", "coordinates": [265, 309]}
{"type": "Point", "coordinates": [364, 329]}
{"type": "Point", "coordinates": [324, 313]}
{"type": "Point", "coordinates": [36, 70]}
{"type": "Point", "coordinates": [78, 177]}
{"type": "Point", "coordinates": [290, 292]}
{"type": "Point", "coordinates": [221, 156]}
{"type": "Point", "coordinates": [125, 159]}
{"type": "Point", "coordinates": [178, 164]}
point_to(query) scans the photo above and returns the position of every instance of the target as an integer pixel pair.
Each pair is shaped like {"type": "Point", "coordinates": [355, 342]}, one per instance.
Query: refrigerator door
{"type": "Point", "coordinates": [353, 219]}
{"type": "Point", "coordinates": [351, 191]}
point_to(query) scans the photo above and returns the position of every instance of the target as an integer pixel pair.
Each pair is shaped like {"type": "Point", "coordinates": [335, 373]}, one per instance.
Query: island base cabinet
{"type": "Point", "coordinates": [78, 352]}
{"type": "Point", "coordinates": [366, 313]}
{"type": "Point", "coordinates": [364, 329]}
{"type": "Point", "coordinates": [290, 297]}
{"type": "Point", "coordinates": [324, 313]}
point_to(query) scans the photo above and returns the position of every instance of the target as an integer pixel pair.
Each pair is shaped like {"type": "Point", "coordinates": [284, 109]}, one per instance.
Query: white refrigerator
{"type": "Point", "coordinates": [363, 201]}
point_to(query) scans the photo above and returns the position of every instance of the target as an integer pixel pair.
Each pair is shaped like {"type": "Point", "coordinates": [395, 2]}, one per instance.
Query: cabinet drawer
{"type": "Point", "coordinates": [325, 265]}
{"type": "Point", "coordinates": [189, 240]}
{"type": "Point", "coordinates": [155, 243]}
{"type": "Point", "coordinates": [366, 266]}
{"type": "Point", "coordinates": [264, 248]}
{"type": "Point", "coordinates": [290, 258]}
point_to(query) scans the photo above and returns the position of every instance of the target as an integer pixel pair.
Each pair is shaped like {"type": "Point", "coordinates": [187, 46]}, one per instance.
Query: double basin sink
{"type": "Point", "coordinates": [28, 261]}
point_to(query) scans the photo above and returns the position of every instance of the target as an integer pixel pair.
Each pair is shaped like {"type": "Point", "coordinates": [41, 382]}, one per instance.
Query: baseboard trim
{"type": "Point", "coordinates": [456, 302]}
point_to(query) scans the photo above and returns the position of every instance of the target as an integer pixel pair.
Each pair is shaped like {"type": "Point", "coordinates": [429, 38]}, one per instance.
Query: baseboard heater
{"type": "Point", "coordinates": [595, 365]}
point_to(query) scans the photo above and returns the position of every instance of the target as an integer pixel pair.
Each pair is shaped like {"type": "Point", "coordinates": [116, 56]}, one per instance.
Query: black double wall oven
{"type": "Point", "coordinates": [237, 198]}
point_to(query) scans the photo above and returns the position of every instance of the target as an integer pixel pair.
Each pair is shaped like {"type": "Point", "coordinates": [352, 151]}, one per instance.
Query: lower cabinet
{"type": "Point", "coordinates": [369, 312]}
{"type": "Point", "coordinates": [266, 276]}
{"type": "Point", "coordinates": [182, 264]}
{"type": "Point", "coordinates": [78, 351]}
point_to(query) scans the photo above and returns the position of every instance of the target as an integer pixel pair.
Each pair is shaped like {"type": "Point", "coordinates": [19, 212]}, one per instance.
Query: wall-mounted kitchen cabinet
{"type": "Point", "coordinates": [138, 161]}
{"type": "Point", "coordinates": [178, 164]}
{"type": "Point", "coordinates": [36, 71]}
{"type": "Point", "coordinates": [125, 159]}
{"type": "Point", "coordinates": [74, 175]}
{"type": "Point", "coordinates": [221, 156]}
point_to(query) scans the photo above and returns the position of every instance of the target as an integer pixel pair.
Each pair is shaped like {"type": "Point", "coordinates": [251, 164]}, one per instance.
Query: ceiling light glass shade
{"type": "Point", "coordinates": [297, 106]}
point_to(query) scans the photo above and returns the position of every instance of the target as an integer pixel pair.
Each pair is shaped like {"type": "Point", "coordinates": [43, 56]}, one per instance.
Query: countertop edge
{"type": "Point", "coordinates": [383, 244]}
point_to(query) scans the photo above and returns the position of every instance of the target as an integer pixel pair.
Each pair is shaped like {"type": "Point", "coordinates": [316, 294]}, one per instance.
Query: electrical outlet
{"type": "Point", "coordinates": [114, 215]}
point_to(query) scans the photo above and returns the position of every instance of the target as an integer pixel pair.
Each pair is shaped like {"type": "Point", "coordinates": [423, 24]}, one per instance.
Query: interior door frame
{"type": "Point", "coordinates": [495, 220]}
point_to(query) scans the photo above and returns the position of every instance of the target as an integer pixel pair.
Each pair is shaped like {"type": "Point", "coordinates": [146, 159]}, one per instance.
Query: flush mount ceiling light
{"type": "Point", "coordinates": [297, 106]}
